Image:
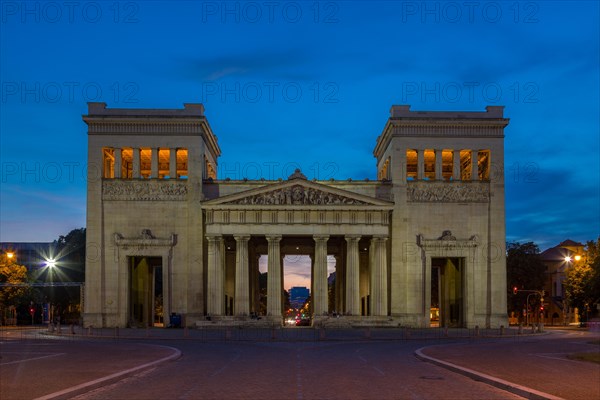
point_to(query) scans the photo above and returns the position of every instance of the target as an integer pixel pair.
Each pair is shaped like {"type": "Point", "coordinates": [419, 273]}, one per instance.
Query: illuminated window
{"type": "Point", "coordinates": [163, 163]}
{"type": "Point", "coordinates": [411, 165]}
{"type": "Point", "coordinates": [127, 163]}
{"type": "Point", "coordinates": [384, 172]}
{"type": "Point", "coordinates": [182, 163]}
{"type": "Point", "coordinates": [145, 163]}
{"type": "Point", "coordinates": [108, 162]}
{"type": "Point", "coordinates": [483, 164]}
{"type": "Point", "coordinates": [209, 170]}
{"type": "Point", "coordinates": [465, 165]}
{"type": "Point", "coordinates": [429, 164]}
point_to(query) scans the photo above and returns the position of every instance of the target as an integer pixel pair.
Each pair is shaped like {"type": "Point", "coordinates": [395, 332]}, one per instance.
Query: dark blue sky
{"type": "Point", "coordinates": [303, 84]}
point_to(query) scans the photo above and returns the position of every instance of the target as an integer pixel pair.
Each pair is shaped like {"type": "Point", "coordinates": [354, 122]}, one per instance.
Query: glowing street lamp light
{"type": "Point", "coordinates": [577, 257]}
{"type": "Point", "coordinates": [10, 255]}
{"type": "Point", "coordinates": [51, 263]}
{"type": "Point", "coordinates": [568, 259]}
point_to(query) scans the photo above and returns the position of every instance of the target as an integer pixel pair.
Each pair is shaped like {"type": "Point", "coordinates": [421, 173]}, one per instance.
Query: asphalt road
{"type": "Point", "coordinates": [365, 369]}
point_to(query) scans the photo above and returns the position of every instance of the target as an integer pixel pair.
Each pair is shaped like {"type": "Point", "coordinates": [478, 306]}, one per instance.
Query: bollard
{"type": "Point", "coordinates": [446, 331]}
{"type": "Point", "coordinates": [368, 333]}
{"type": "Point", "coordinates": [501, 330]}
{"type": "Point", "coordinates": [89, 330]}
{"type": "Point", "coordinates": [228, 334]}
{"type": "Point", "coordinates": [186, 332]}
{"type": "Point", "coordinates": [58, 327]}
{"type": "Point", "coordinates": [477, 330]}
{"type": "Point", "coordinates": [407, 333]}
{"type": "Point", "coordinates": [322, 334]}
{"type": "Point", "coordinates": [273, 334]}
{"type": "Point", "coordinates": [520, 331]}
{"type": "Point", "coordinates": [541, 327]}
{"type": "Point", "coordinates": [116, 331]}
{"type": "Point", "coordinates": [50, 327]}
{"type": "Point", "coordinates": [532, 328]}
{"type": "Point", "coordinates": [72, 329]}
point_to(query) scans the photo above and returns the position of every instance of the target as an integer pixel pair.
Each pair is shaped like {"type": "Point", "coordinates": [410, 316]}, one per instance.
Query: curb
{"type": "Point", "coordinates": [100, 382]}
{"type": "Point", "coordinates": [514, 388]}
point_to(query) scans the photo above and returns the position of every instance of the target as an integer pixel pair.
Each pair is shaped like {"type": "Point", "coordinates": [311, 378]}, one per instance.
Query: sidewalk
{"type": "Point", "coordinates": [536, 362]}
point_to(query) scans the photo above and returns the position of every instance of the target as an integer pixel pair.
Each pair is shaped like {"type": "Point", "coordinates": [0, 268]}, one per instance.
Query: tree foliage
{"type": "Point", "coordinates": [11, 272]}
{"type": "Point", "coordinates": [525, 270]}
{"type": "Point", "coordinates": [582, 283]}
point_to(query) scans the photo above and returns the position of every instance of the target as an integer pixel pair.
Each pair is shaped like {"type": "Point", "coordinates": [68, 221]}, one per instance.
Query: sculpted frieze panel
{"type": "Point", "coordinates": [448, 192]}
{"type": "Point", "coordinates": [297, 195]}
{"type": "Point", "coordinates": [144, 190]}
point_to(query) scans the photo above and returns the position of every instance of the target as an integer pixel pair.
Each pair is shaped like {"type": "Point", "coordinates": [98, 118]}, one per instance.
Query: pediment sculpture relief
{"type": "Point", "coordinates": [297, 195]}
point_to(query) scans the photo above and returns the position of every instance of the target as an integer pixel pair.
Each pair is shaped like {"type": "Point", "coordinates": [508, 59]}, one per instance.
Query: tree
{"type": "Point", "coordinates": [582, 283]}
{"type": "Point", "coordinates": [11, 272]}
{"type": "Point", "coordinates": [525, 270]}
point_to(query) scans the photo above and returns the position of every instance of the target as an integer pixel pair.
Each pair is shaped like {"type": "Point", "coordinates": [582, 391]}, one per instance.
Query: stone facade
{"type": "Point", "coordinates": [424, 245]}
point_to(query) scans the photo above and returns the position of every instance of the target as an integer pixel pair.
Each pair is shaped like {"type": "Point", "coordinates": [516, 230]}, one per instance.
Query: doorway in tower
{"type": "Point", "coordinates": [447, 292]}
{"type": "Point", "coordinates": [145, 292]}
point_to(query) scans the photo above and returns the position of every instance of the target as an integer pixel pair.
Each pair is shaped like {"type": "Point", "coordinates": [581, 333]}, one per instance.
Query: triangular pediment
{"type": "Point", "coordinates": [297, 192]}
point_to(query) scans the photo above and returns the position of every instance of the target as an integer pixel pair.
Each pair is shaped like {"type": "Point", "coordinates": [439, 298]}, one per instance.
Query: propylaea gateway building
{"type": "Point", "coordinates": [423, 245]}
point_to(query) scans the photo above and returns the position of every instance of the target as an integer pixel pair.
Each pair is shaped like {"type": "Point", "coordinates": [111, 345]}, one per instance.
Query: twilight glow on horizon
{"type": "Point", "coordinates": [304, 85]}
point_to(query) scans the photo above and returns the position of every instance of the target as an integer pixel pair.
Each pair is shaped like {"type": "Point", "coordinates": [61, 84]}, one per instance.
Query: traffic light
{"type": "Point", "coordinates": [31, 310]}
{"type": "Point", "coordinates": [515, 289]}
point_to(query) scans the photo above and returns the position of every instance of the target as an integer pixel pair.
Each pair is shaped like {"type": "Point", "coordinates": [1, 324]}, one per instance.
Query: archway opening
{"type": "Point", "coordinates": [145, 291]}
{"type": "Point", "coordinates": [447, 292]}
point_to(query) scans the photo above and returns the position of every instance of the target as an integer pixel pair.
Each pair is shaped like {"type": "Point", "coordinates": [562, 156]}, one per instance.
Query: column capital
{"type": "Point", "coordinates": [273, 238]}
{"type": "Point", "coordinates": [213, 237]}
{"type": "Point", "coordinates": [380, 237]}
{"type": "Point", "coordinates": [320, 237]}
{"type": "Point", "coordinates": [350, 238]}
{"type": "Point", "coordinates": [242, 238]}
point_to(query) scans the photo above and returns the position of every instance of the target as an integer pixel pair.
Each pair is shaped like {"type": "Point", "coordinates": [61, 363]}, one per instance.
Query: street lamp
{"type": "Point", "coordinates": [10, 255]}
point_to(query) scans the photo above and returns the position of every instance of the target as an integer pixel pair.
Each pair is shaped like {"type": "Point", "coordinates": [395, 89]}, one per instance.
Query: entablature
{"type": "Point", "coordinates": [144, 190]}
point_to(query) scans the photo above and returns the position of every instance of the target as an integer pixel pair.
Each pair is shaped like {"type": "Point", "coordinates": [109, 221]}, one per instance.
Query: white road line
{"type": "Point", "coordinates": [32, 359]}
{"type": "Point", "coordinates": [62, 393]}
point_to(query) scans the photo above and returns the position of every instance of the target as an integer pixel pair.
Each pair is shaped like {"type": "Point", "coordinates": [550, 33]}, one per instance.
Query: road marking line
{"type": "Point", "coordinates": [520, 390]}
{"type": "Point", "coordinates": [62, 393]}
{"type": "Point", "coordinates": [32, 359]}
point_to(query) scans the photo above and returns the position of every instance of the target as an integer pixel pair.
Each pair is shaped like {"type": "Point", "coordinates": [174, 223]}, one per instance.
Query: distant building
{"type": "Point", "coordinates": [298, 295]}
{"type": "Point", "coordinates": [558, 260]}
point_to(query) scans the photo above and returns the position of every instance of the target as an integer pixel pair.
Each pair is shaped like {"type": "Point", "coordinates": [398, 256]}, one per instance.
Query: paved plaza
{"type": "Point", "coordinates": [296, 364]}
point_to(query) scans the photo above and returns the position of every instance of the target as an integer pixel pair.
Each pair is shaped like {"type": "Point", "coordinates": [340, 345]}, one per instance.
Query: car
{"type": "Point", "coordinates": [303, 322]}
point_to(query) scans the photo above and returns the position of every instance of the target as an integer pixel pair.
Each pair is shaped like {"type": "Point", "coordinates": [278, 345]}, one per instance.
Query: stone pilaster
{"type": "Point", "coordinates": [274, 281]}
{"type": "Point", "coordinates": [456, 165]}
{"type": "Point", "coordinates": [420, 164]}
{"type": "Point", "coordinates": [242, 289]}
{"type": "Point", "coordinates": [352, 275]}
{"type": "Point", "coordinates": [379, 306]}
{"type": "Point", "coordinates": [118, 163]}
{"type": "Point", "coordinates": [474, 165]}
{"type": "Point", "coordinates": [319, 297]}
{"type": "Point", "coordinates": [438, 165]}
{"type": "Point", "coordinates": [215, 296]}
{"type": "Point", "coordinates": [136, 163]}
{"type": "Point", "coordinates": [173, 163]}
{"type": "Point", "coordinates": [154, 162]}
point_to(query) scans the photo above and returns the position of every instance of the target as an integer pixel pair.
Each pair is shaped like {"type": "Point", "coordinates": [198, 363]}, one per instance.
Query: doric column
{"type": "Point", "coordinates": [118, 163]}
{"type": "Point", "coordinates": [474, 166]}
{"type": "Point", "coordinates": [274, 281]}
{"type": "Point", "coordinates": [438, 165]}
{"type": "Point", "coordinates": [352, 275]}
{"type": "Point", "coordinates": [420, 164]}
{"type": "Point", "coordinates": [320, 297]}
{"type": "Point", "coordinates": [173, 163]}
{"type": "Point", "coordinates": [214, 299]}
{"type": "Point", "coordinates": [379, 276]}
{"type": "Point", "coordinates": [136, 163]}
{"type": "Point", "coordinates": [456, 165]}
{"type": "Point", "coordinates": [242, 296]}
